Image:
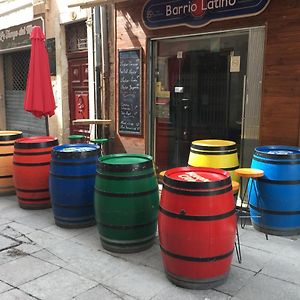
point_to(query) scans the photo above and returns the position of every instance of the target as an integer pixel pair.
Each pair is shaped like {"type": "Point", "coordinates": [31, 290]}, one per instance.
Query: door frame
{"type": "Point", "coordinates": [250, 81]}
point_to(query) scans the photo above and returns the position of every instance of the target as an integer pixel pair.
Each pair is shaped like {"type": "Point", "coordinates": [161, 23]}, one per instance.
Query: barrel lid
{"type": "Point", "coordinates": [125, 162]}
{"type": "Point", "coordinates": [278, 151]}
{"type": "Point", "coordinates": [9, 135]}
{"type": "Point", "coordinates": [75, 150]}
{"type": "Point", "coordinates": [36, 142]}
{"type": "Point", "coordinates": [193, 177]}
{"type": "Point", "coordinates": [67, 148]}
{"type": "Point", "coordinates": [214, 145]}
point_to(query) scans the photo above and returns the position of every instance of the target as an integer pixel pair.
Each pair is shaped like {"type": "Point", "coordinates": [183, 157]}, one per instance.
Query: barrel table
{"type": "Point", "coordinates": [7, 141]}
{"type": "Point", "coordinates": [126, 202]}
{"type": "Point", "coordinates": [276, 195]}
{"type": "Point", "coordinates": [197, 226]}
{"type": "Point", "coordinates": [31, 164]}
{"type": "Point", "coordinates": [215, 154]}
{"type": "Point", "coordinates": [72, 180]}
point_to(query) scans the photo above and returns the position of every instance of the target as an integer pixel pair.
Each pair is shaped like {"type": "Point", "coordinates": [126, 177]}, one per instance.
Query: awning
{"type": "Point", "coordinates": [91, 3]}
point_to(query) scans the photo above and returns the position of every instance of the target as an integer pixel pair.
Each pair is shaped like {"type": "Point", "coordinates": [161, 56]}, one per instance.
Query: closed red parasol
{"type": "Point", "coordinates": [39, 99]}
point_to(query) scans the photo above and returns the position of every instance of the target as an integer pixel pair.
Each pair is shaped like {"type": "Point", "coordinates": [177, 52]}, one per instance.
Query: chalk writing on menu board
{"type": "Point", "coordinates": [130, 91]}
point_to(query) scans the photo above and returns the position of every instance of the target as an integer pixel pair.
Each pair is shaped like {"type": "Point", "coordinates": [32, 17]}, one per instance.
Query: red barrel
{"type": "Point", "coordinates": [197, 226]}
{"type": "Point", "coordinates": [31, 164]}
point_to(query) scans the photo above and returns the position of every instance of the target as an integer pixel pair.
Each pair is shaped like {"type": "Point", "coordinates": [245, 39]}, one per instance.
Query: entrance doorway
{"type": "Point", "coordinates": [200, 92]}
{"type": "Point", "coordinates": [76, 41]}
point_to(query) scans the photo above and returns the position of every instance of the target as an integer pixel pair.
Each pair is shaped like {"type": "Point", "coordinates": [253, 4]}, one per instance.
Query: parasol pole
{"type": "Point", "coordinates": [47, 125]}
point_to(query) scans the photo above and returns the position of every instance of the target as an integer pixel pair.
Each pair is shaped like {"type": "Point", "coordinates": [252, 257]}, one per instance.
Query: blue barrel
{"type": "Point", "coordinates": [275, 198]}
{"type": "Point", "coordinates": [72, 180]}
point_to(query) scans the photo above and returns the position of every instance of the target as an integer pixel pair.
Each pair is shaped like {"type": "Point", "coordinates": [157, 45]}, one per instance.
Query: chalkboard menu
{"type": "Point", "coordinates": [130, 91]}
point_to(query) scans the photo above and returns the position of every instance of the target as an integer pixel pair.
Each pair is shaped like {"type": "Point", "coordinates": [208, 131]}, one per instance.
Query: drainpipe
{"type": "Point", "coordinates": [97, 61]}
{"type": "Point", "coordinates": [101, 63]}
{"type": "Point", "coordinates": [105, 61]}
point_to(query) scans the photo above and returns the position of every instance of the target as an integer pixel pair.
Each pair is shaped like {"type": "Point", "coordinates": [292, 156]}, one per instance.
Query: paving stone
{"type": "Point", "coordinates": [7, 201]}
{"type": "Point", "coordinates": [177, 293]}
{"type": "Point", "coordinates": [140, 282]}
{"type": "Point", "coordinates": [47, 256]}
{"type": "Point", "coordinates": [5, 257]}
{"type": "Point", "coordinates": [138, 258]}
{"type": "Point", "coordinates": [103, 292]}
{"type": "Point", "coordinates": [37, 220]}
{"type": "Point", "coordinates": [255, 239]}
{"type": "Point", "coordinates": [24, 269]}
{"type": "Point", "coordinates": [60, 284]}
{"type": "Point", "coordinates": [291, 249]}
{"type": "Point", "coordinates": [98, 266]}
{"type": "Point", "coordinates": [252, 259]}
{"type": "Point", "coordinates": [28, 248]}
{"type": "Point", "coordinates": [66, 233]}
{"type": "Point", "coordinates": [4, 287]}
{"type": "Point", "coordinates": [43, 239]}
{"type": "Point", "coordinates": [16, 294]}
{"type": "Point", "coordinates": [6, 242]}
{"type": "Point", "coordinates": [4, 221]}
{"type": "Point", "coordinates": [15, 230]}
{"type": "Point", "coordinates": [237, 278]}
{"type": "Point", "coordinates": [13, 212]}
{"type": "Point", "coordinates": [90, 239]}
{"type": "Point", "coordinates": [155, 261]}
{"type": "Point", "coordinates": [284, 268]}
{"type": "Point", "coordinates": [267, 288]}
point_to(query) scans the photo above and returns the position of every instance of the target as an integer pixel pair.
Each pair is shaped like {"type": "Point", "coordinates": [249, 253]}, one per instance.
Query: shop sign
{"type": "Point", "coordinates": [196, 13]}
{"type": "Point", "coordinates": [18, 36]}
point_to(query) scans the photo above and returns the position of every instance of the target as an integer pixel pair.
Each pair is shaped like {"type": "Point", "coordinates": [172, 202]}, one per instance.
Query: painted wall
{"type": "Point", "coordinates": [280, 111]}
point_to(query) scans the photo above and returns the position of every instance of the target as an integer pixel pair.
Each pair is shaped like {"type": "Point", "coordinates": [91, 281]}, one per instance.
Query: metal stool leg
{"type": "Point", "coordinates": [259, 201]}
{"type": "Point", "coordinates": [243, 218]}
{"type": "Point", "coordinates": [237, 245]}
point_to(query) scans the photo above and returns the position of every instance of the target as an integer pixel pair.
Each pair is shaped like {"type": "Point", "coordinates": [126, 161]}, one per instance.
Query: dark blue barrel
{"type": "Point", "coordinates": [72, 180]}
{"type": "Point", "coordinates": [275, 198]}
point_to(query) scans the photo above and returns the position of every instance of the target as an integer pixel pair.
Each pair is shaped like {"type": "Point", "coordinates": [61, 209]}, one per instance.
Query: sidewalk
{"type": "Point", "coordinates": [39, 260]}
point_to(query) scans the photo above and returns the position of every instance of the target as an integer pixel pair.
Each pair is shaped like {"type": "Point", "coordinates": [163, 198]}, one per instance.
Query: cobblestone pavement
{"type": "Point", "coordinates": [39, 260]}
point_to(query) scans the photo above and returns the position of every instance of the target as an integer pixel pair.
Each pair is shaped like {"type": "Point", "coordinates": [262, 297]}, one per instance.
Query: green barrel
{"type": "Point", "coordinates": [126, 202]}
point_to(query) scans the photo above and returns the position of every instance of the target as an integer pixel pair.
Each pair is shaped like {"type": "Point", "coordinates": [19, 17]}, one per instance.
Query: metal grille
{"type": "Point", "coordinates": [16, 68]}
{"type": "Point", "coordinates": [76, 37]}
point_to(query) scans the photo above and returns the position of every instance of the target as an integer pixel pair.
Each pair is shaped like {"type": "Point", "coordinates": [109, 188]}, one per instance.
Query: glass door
{"type": "Point", "coordinates": [198, 93]}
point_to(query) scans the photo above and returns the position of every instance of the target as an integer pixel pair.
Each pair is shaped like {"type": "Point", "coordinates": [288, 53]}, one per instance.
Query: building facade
{"type": "Point", "coordinates": [166, 74]}
{"type": "Point", "coordinates": [206, 70]}
{"type": "Point", "coordinates": [70, 41]}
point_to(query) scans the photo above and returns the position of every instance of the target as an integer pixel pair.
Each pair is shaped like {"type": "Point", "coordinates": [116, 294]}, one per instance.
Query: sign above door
{"type": "Point", "coordinates": [197, 13]}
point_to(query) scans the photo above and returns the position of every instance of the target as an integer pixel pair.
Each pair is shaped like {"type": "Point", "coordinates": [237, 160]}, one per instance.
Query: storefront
{"type": "Point", "coordinates": [70, 42]}
{"type": "Point", "coordinates": [190, 70]}
{"type": "Point", "coordinates": [14, 55]}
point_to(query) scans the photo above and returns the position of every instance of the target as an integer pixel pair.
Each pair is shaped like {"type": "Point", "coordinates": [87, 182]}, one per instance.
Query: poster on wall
{"type": "Point", "coordinates": [129, 83]}
{"type": "Point", "coordinates": [197, 13]}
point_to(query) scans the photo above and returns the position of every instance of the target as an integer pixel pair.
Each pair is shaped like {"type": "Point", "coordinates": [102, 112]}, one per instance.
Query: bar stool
{"type": "Point", "coordinates": [248, 173]}
{"type": "Point", "coordinates": [235, 189]}
{"type": "Point", "coordinates": [161, 175]}
{"type": "Point", "coordinates": [76, 138]}
{"type": "Point", "coordinates": [100, 142]}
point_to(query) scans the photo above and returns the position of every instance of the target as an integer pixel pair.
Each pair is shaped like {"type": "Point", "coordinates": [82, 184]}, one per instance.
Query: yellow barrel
{"type": "Point", "coordinates": [219, 154]}
{"type": "Point", "coordinates": [7, 140]}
